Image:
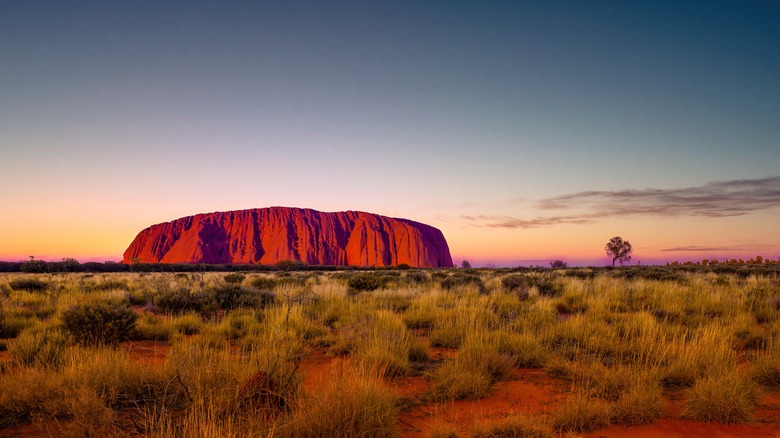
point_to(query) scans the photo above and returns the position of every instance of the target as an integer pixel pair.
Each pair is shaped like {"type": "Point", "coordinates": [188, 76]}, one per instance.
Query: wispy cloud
{"type": "Point", "coordinates": [695, 248]}
{"type": "Point", "coordinates": [712, 200]}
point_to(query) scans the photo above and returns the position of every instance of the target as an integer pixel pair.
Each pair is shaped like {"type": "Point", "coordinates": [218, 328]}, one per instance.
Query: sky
{"type": "Point", "coordinates": [526, 131]}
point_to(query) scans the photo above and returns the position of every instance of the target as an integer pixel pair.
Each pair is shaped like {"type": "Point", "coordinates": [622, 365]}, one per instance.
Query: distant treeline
{"type": "Point", "coordinates": [670, 271]}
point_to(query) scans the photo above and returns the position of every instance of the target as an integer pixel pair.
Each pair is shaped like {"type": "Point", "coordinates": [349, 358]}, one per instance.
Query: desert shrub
{"type": "Point", "coordinates": [459, 380]}
{"type": "Point", "coordinates": [100, 323]}
{"type": "Point", "coordinates": [641, 403]}
{"type": "Point", "coordinates": [107, 285]}
{"type": "Point", "coordinates": [31, 393]}
{"type": "Point", "coordinates": [364, 282]}
{"type": "Point", "coordinates": [546, 285]}
{"type": "Point", "coordinates": [462, 280]}
{"type": "Point", "coordinates": [351, 404]}
{"type": "Point", "coordinates": [90, 417]}
{"type": "Point", "coordinates": [384, 346]}
{"type": "Point", "coordinates": [137, 297]}
{"type": "Point", "coordinates": [188, 324]}
{"type": "Point", "coordinates": [11, 324]}
{"type": "Point", "coordinates": [581, 413]}
{"type": "Point", "coordinates": [722, 398]}
{"type": "Point", "coordinates": [264, 283]}
{"type": "Point", "coordinates": [184, 300]}
{"type": "Point", "coordinates": [28, 284]}
{"type": "Point", "coordinates": [449, 337]}
{"type": "Point", "coordinates": [232, 296]}
{"type": "Point", "coordinates": [419, 318]}
{"type": "Point", "coordinates": [515, 426]}
{"type": "Point", "coordinates": [515, 282]}
{"type": "Point", "coordinates": [418, 352]}
{"type": "Point", "coordinates": [234, 278]}
{"type": "Point", "coordinates": [149, 327]}
{"type": "Point", "coordinates": [417, 277]}
{"type": "Point", "coordinates": [39, 346]}
{"type": "Point", "coordinates": [766, 371]}
{"type": "Point", "coordinates": [290, 265]}
{"type": "Point", "coordinates": [526, 350]}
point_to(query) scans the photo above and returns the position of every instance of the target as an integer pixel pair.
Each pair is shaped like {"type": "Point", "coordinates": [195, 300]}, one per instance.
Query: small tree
{"type": "Point", "coordinates": [618, 249]}
{"type": "Point", "coordinates": [465, 264]}
{"type": "Point", "coordinates": [558, 264]}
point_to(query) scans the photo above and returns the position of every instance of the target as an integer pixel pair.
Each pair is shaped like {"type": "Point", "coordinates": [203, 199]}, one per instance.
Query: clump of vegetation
{"type": "Point", "coordinates": [183, 300]}
{"type": "Point", "coordinates": [463, 280]}
{"type": "Point", "coordinates": [264, 283]}
{"type": "Point", "coordinates": [581, 413]}
{"type": "Point", "coordinates": [28, 284]}
{"type": "Point", "coordinates": [349, 404]}
{"type": "Point", "coordinates": [519, 426]}
{"type": "Point", "coordinates": [39, 346]}
{"type": "Point", "coordinates": [100, 323]}
{"type": "Point", "coordinates": [365, 282]}
{"type": "Point", "coordinates": [722, 398]}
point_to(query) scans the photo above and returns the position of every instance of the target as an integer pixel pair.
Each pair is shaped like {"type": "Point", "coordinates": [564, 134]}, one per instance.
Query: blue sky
{"type": "Point", "coordinates": [117, 115]}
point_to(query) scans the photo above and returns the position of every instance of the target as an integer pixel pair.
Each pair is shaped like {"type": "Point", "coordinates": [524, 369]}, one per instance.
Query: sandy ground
{"type": "Point", "coordinates": [527, 391]}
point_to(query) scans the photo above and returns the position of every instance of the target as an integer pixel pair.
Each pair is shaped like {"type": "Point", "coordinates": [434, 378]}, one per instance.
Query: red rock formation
{"type": "Point", "coordinates": [268, 235]}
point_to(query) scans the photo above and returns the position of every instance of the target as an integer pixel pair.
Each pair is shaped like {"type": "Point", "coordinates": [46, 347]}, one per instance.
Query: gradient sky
{"type": "Point", "coordinates": [525, 131]}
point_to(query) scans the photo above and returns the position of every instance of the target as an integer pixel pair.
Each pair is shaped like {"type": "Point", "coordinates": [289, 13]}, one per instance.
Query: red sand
{"type": "Point", "coordinates": [528, 391]}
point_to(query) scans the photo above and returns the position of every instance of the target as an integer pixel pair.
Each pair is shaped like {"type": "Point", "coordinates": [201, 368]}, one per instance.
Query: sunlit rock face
{"type": "Point", "coordinates": [268, 235]}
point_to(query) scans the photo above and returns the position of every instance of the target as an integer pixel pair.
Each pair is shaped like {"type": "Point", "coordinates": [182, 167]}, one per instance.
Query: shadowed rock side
{"type": "Point", "coordinates": [268, 235]}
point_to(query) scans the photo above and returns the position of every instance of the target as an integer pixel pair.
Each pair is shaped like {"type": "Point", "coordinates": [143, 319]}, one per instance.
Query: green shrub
{"type": "Point", "coordinates": [99, 324]}
{"type": "Point", "coordinates": [232, 296]}
{"type": "Point", "coordinates": [417, 277]}
{"type": "Point", "coordinates": [234, 278]}
{"type": "Point", "coordinates": [184, 300]}
{"type": "Point", "coordinates": [364, 282]}
{"type": "Point", "coordinates": [107, 285]}
{"type": "Point", "coordinates": [264, 283]}
{"type": "Point", "coordinates": [28, 284]}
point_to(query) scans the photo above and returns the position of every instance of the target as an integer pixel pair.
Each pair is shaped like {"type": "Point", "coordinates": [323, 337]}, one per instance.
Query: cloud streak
{"type": "Point", "coordinates": [712, 200]}
{"type": "Point", "coordinates": [696, 248]}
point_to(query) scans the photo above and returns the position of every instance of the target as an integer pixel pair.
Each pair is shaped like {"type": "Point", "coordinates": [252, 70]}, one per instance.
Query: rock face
{"type": "Point", "coordinates": [268, 235]}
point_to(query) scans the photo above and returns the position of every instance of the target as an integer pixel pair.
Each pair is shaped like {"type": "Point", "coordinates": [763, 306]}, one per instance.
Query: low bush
{"type": "Point", "coordinates": [232, 296]}
{"type": "Point", "coordinates": [515, 426]}
{"type": "Point", "coordinates": [463, 280]}
{"type": "Point", "coordinates": [106, 285]}
{"type": "Point", "coordinates": [100, 323]}
{"type": "Point", "coordinates": [581, 413]}
{"type": "Point", "coordinates": [28, 284]}
{"type": "Point", "coordinates": [365, 282]}
{"type": "Point", "coordinates": [766, 371]}
{"type": "Point", "coordinates": [43, 347]}
{"type": "Point", "coordinates": [722, 398]}
{"type": "Point", "coordinates": [12, 324]}
{"type": "Point", "coordinates": [641, 403]}
{"type": "Point", "coordinates": [351, 404]}
{"type": "Point", "coordinates": [264, 283]}
{"type": "Point", "coordinates": [179, 301]}
{"type": "Point", "coordinates": [458, 380]}
{"type": "Point", "coordinates": [234, 278]}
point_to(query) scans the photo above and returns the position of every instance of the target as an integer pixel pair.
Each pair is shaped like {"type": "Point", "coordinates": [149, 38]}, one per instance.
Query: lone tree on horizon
{"type": "Point", "coordinates": [618, 249]}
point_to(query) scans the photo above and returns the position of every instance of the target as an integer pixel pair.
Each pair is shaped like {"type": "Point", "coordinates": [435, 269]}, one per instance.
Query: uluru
{"type": "Point", "coordinates": [269, 235]}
